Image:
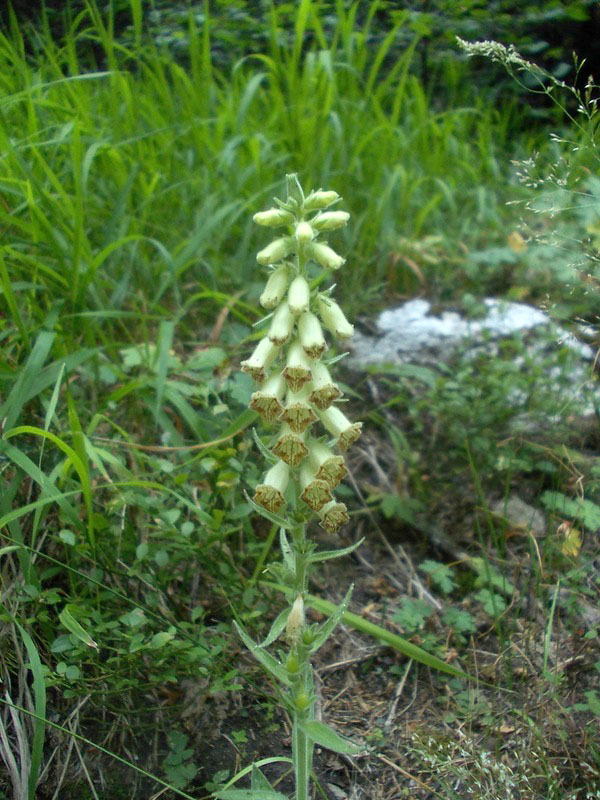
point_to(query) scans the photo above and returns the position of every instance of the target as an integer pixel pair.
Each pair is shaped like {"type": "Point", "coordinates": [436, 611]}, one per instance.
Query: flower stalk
{"type": "Point", "coordinates": [297, 394]}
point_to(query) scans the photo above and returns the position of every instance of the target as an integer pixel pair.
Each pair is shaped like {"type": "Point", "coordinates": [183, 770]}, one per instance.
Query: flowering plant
{"type": "Point", "coordinates": [297, 394]}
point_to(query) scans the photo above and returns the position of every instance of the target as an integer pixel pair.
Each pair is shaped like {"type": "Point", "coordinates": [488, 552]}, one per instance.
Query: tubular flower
{"type": "Point", "coordinates": [282, 325]}
{"type": "Point", "coordinates": [315, 491]}
{"type": "Point", "coordinates": [298, 368]}
{"type": "Point", "coordinates": [323, 390]}
{"type": "Point", "coordinates": [298, 412]}
{"type": "Point", "coordinates": [267, 401]}
{"type": "Point", "coordinates": [333, 516]}
{"type": "Point", "coordinates": [299, 295]}
{"type": "Point", "coordinates": [338, 425]}
{"type": "Point", "coordinates": [326, 465]}
{"type": "Point", "coordinates": [276, 287]}
{"type": "Point", "coordinates": [269, 494]}
{"type": "Point", "coordinates": [311, 335]}
{"type": "Point", "coordinates": [261, 359]}
{"type": "Point", "coordinates": [290, 447]}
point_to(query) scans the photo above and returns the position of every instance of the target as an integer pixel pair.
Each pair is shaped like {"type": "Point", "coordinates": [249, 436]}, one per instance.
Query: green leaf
{"type": "Point", "coordinates": [266, 659]}
{"type": "Point", "coordinates": [276, 628]}
{"type": "Point", "coordinates": [458, 619]}
{"type": "Point", "coordinates": [259, 781]}
{"type": "Point", "coordinates": [250, 794]}
{"type": "Point", "coordinates": [274, 518]}
{"type": "Point", "coordinates": [584, 510]}
{"type": "Point", "coordinates": [325, 630]}
{"type": "Point", "coordinates": [161, 639]}
{"type": "Point", "coordinates": [325, 555]}
{"type": "Point", "coordinates": [67, 618]}
{"type": "Point", "coordinates": [493, 604]}
{"type": "Point", "coordinates": [489, 576]}
{"type": "Point", "coordinates": [440, 574]}
{"type": "Point", "coordinates": [325, 736]}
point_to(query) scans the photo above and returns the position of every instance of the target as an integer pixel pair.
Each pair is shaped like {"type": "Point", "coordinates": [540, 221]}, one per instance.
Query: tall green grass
{"type": "Point", "coordinates": [126, 186]}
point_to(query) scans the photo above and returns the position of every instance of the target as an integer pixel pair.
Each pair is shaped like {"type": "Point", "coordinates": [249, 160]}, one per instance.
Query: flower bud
{"type": "Point", "coordinates": [333, 516]}
{"type": "Point", "coordinates": [295, 621]}
{"type": "Point", "coordinates": [326, 465]}
{"type": "Point", "coordinates": [298, 413]}
{"type": "Point", "coordinates": [297, 370]}
{"type": "Point", "coordinates": [315, 492]}
{"type": "Point", "coordinates": [323, 390]}
{"type": "Point", "coordinates": [270, 493]}
{"type": "Point", "coordinates": [292, 664]}
{"type": "Point", "coordinates": [276, 287]}
{"type": "Point", "coordinates": [282, 325]}
{"type": "Point", "coordinates": [304, 232]}
{"type": "Point", "coordinates": [278, 249]}
{"type": "Point", "coordinates": [290, 447]}
{"type": "Point", "coordinates": [340, 426]}
{"type": "Point", "coordinates": [320, 199]}
{"type": "Point", "coordinates": [330, 220]}
{"type": "Point", "coordinates": [299, 295]}
{"type": "Point", "coordinates": [310, 335]}
{"type": "Point", "coordinates": [308, 636]}
{"type": "Point", "coordinates": [301, 701]}
{"type": "Point", "coordinates": [324, 255]}
{"type": "Point", "coordinates": [267, 401]}
{"type": "Point", "coordinates": [273, 217]}
{"type": "Point", "coordinates": [333, 317]}
{"type": "Point", "coordinates": [261, 359]}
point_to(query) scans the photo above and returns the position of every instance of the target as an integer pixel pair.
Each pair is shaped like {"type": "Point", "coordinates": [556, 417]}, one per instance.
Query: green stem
{"type": "Point", "coordinates": [300, 757]}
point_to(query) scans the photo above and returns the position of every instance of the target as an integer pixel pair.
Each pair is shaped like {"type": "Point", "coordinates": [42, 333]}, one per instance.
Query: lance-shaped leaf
{"type": "Point", "coordinates": [325, 630]}
{"type": "Point", "coordinates": [268, 661]}
{"type": "Point", "coordinates": [325, 736]}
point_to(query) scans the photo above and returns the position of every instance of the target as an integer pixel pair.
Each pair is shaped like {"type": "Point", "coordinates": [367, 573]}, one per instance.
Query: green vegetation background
{"type": "Point", "coordinates": [137, 140]}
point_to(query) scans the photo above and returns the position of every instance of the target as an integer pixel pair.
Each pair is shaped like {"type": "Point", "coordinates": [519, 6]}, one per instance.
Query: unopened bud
{"type": "Point", "coordinates": [320, 199]}
{"type": "Point", "coordinates": [330, 220]}
{"type": "Point", "coordinates": [282, 325]}
{"type": "Point", "coordinates": [261, 359]}
{"type": "Point", "coordinates": [333, 317]}
{"type": "Point", "coordinates": [292, 664]}
{"type": "Point", "coordinates": [273, 217]}
{"type": "Point", "coordinates": [276, 287]}
{"type": "Point", "coordinates": [299, 295]}
{"type": "Point", "coordinates": [274, 252]}
{"type": "Point", "coordinates": [324, 255]}
{"type": "Point", "coordinates": [304, 232]}
{"type": "Point", "coordinates": [295, 621]}
{"type": "Point", "coordinates": [301, 701]}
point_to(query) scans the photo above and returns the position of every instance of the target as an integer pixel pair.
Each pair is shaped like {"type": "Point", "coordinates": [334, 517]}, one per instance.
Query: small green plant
{"type": "Point", "coordinates": [178, 766]}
